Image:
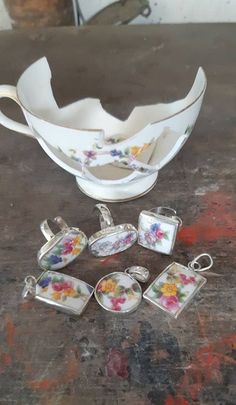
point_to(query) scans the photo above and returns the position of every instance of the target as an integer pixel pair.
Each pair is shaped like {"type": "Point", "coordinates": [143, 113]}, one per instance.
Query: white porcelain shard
{"type": "Point", "coordinates": [112, 159]}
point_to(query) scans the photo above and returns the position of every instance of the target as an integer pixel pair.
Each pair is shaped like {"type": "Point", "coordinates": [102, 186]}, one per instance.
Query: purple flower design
{"type": "Point", "coordinates": [90, 154]}
{"type": "Point", "coordinates": [115, 152]}
{"type": "Point", "coordinates": [116, 244]}
{"type": "Point", "coordinates": [128, 239]}
{"type": "Point", "coordinates": [45, 282]}
{"type": "Point", "coordinates": [54, 259]}
{"type": "Point", "coordinates": [150, 238]}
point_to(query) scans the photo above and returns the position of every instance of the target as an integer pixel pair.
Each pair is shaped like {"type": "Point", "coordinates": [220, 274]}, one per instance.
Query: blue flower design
{"type": "Point", "coordinates": [45, 282]}
{"type": "Point", "coordinates": [55, 259]}
{"type": "Point", "coordinates": [115, 152]}
{"type": "Point", "coordinates": [155, 227]}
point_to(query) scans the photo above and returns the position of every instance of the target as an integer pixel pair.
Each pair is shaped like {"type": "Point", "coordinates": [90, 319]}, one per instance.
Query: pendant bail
{"type": "Point", "coordinates": [46, 230]}
{"type": "Point", "coordinates": [195, 264]}
{"type": "Point", "coordinates": [29, 290]}
{"type": "Point", "coordinates": [139, 273]}
{"type": "Point", "coordinates": [105, 217]}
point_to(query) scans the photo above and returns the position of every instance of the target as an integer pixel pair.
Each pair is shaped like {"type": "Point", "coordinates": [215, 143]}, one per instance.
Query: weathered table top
{"type": "Point", "coordinates": [49, 358]}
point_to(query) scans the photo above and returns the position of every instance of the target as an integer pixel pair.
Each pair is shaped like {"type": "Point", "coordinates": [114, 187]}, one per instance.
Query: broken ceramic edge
{"type": "Point", "coordinates": [43, 61]}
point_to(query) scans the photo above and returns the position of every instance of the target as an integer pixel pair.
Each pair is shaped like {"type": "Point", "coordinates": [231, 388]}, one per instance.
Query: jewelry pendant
{"type": "Point", "coordinates": [112, 238]}
{"type": "Point", "coordinates": [157, 229]}
{"type": "Point", "coordinates": [175, 287]}
{"type": "Point", "coordinates": [62, 248]}
{"type": "Point", "coordinates": [120, 292]}
{"type": "Point", "coordinates": [65, 293]}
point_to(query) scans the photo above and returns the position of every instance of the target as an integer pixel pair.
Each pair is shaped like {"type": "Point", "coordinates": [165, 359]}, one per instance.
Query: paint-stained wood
{"type": "Point", "coordinates": [144, 358]}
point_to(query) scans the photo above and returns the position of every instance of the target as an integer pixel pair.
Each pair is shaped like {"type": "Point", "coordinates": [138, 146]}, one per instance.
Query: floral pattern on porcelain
{"type": "Point", "coordinates": [128, 153]}
{"type": "Point", "coordinates": [66, 290]}
{"type": "Point", "coordinates": [174, 288]}
{"type": "Point", "coordinates": [66, 250]}
{"type": "Point", "coordinates": [118, 292]}
{"type": "Point", "coordinates": [112, 244]}
{"type": "Point", "coordinates": [156, 234]}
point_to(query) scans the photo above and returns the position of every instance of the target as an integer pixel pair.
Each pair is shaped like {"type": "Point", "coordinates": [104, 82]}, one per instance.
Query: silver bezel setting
{"type": "Point", "coordinates": [58, 305]}
{"type": "Point", "coordinates": [55, 240]}
{"type": "Point", "coordinates": [162, 218]}
{"type": "Point", "coordinates": [204, 280]}
{"type": "Point", "coordinates": [111, 231]}
{"type": "Point", "coordinates": [111, 310]}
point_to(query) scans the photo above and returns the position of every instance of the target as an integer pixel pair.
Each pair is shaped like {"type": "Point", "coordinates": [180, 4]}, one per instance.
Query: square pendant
{"type": "Point", "coordinates": [65, 293]}
{"type": "Point", "coordinates": [62, 249]}
{"type": "Point", "coordinates": [174, 288]}
{"type": "Point", "coordinates": [157, 232]}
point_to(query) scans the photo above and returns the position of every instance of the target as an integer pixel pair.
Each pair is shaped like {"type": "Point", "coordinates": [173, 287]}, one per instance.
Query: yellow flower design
{"type": "Point", "coordinates": [56, 295]}
{"type": "Point", "coordinates": [70, 292]}
{"type": "Point", "coordinates": [76, 241]}
{"type": "Point", "coordinates": [136, 150]}
{"type": "Point", "coordinates": [169, 289]}
{"type": "Point", "coordinates": [107, 286]}
{"type": "Point", "coordinates": [76, 251]}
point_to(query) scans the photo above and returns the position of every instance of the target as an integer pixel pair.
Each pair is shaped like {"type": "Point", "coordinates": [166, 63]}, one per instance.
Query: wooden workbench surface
{"type": "Point", "coordinates": [48, 358]}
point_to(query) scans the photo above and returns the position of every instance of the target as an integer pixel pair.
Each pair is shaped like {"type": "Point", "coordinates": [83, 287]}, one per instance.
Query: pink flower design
{"type": "Point", "coordinates": [68, 247]}
{"type": "Point", "coordinates": [171, 303]}
{"type": "Point", "coordinates": [116, 244]}
{"type": "Point", "coordinates": [116, 303]}
{"type": "Point", "coordinates": [62, 285]}
{"type": "Point", "coordinates": [90, 154]}
{"type": "Point", "coordinates": [128, 239]}
{"type": "Point", "coordinates": [187, 280]}
{"type": "Point", "coordinates": [159, 234]}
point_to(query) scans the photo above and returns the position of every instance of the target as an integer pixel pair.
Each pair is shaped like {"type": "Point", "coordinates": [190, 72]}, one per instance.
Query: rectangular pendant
{"type": "Point", "coordinates": [174, 288]}
{"type": "Point", "coordinates": [65, 293]}
{"type": "Point", "coordinates": [157, 232]}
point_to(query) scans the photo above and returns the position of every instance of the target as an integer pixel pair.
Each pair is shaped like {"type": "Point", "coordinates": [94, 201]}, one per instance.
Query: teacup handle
{"type": "Point", "coordinates": [8, 91]}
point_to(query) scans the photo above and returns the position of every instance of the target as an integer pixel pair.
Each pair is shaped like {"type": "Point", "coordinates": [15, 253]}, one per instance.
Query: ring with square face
{"type": "Point", "coordinates": [62, 248]}
{"type": "Point", "coordinates": [111, 238]}
{"type": "Point", "coordinates": [120, 292]}
{"type": "Point", "coordinates": [64, 293]}
{"type": "Point", "coordinates": [157, 229]}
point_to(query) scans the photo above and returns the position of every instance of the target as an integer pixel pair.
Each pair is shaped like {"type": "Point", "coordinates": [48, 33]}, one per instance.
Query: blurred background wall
{"type": "Point", "coordinates": [27, 13]}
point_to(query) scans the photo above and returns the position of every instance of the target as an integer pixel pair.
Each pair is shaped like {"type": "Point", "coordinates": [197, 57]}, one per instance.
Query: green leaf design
{"type": "Point", "coordinates": [57, 250]}
{"type": "Point", "coordinates": [64, 298]}
{"type": "Point", "coordinates": [156, 289]}
{"type": "Point", "coordinates": [165, 236]}
{"type": "Point", "coordinates": [56, 279]}
{"type": "Point", "coordinates": [119, 291]}
{"type": "Point", "coordinates": [130, 291]}
{"type": "Point", "coordinates": [181, 296]}
{"type": "Point", "coordinates": [78, 289]}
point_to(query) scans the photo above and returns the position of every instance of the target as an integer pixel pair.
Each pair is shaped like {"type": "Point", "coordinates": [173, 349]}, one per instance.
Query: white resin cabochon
{"type": "Point", "coordinates": [118, 292]}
